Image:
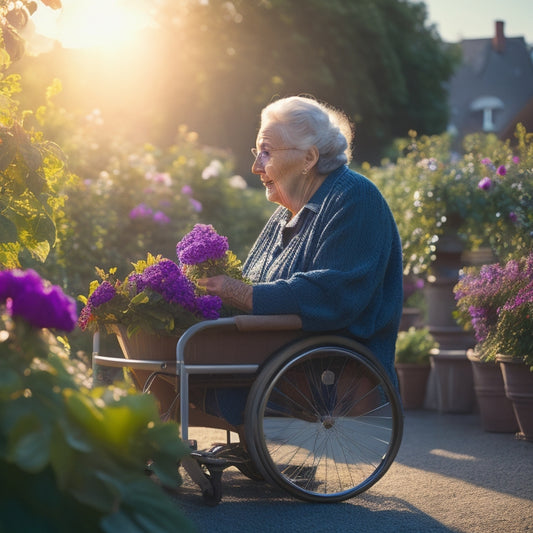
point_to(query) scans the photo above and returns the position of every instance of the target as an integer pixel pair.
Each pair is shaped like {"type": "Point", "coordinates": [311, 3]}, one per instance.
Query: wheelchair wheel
{"type": "Point", "coordinates": [323, 420]}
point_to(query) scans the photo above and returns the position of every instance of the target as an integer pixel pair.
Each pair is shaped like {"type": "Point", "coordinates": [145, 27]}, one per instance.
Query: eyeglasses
{"type": "Point", "coordinates": [264, 155]}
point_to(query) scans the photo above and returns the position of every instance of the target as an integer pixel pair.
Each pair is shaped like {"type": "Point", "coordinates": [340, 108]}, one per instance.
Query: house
{"type": "Point", "coordinates": [492, 90]}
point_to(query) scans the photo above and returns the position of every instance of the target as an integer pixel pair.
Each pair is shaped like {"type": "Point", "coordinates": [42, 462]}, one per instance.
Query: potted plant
{"type": "Point", "coordinates": [154, 304]}
{"type": "Point", "coordinates": [160, 297]}
{"type": "Point", "coordinates": [448, 203]}
{"type": "Point", "coordinates": [412, 357]}
{"type": "Point", "coordinates": [496, 301]}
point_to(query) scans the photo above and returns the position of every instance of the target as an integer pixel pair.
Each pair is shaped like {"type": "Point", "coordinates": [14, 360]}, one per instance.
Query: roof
{"type": "Point", "coordinates": [496, 76]}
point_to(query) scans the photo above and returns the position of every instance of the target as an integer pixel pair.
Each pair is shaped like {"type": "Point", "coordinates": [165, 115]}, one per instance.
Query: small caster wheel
{"type": "Point", "coordinates": [212, 497]}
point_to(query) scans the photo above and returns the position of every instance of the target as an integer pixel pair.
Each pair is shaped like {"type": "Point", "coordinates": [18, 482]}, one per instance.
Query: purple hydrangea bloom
{"type": "Point", "coordinates": [40, 304]}
{"type": "Point", "coordinates": [485, 184]}
{"type": "Point", "coordinates": [201, 244]}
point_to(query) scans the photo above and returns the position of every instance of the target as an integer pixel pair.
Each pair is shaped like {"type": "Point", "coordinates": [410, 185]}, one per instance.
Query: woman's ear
{"type": "Point", "coordinates": [311, 156]}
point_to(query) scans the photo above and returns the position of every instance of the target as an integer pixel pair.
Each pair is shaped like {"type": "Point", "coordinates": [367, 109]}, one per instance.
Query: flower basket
{"type": "Point", "coordinates": [145, 345]}
{"type": "Point", "coordinates": [496, 410]}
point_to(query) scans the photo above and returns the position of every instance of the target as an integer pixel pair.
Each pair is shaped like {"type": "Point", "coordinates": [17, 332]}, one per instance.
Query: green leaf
{"type": "Point", "coordinates": [9, 253]}
{"type": "Point", "coordinates": [8, 149]}
{"type": "Point", "coordinates": [29, 444]}
{"type": "Point", "coordinates": [8, 230]}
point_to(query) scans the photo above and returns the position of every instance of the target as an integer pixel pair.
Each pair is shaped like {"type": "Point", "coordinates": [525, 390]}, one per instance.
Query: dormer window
{"type": "Point", "coordinates": [487, 104]}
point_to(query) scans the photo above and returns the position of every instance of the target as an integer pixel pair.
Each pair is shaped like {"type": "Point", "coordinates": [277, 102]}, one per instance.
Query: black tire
{"type": "Point", "coordinates": [323, 420]}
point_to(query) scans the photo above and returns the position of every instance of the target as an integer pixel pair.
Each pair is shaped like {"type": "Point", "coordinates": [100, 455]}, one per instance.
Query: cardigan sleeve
{"type": "Point", "coordinates": [345, 279]}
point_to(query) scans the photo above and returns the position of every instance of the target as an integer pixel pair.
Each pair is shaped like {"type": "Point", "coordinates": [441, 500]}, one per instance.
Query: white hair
{"type": "Point", "coordinates": [306, 122]}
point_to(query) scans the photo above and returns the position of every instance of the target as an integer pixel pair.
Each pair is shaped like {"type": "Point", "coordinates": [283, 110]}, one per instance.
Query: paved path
{"type": "Point", "coordinates": [449, 476]}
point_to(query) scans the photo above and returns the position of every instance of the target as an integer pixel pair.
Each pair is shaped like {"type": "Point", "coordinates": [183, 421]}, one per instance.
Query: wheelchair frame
{"type": "Point", "coordinates": [272, 353]}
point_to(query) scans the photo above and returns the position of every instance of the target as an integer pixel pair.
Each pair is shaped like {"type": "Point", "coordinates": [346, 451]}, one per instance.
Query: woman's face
{"type": "Point", "coordinates": [280, 168]}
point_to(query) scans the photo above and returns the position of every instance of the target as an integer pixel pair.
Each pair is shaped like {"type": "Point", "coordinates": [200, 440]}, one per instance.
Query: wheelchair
{"type": "Point", "coordinates": [322, 419]}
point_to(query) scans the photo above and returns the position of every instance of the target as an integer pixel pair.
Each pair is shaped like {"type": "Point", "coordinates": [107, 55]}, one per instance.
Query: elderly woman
{"type": "Point", "coordinates": [331, 252]}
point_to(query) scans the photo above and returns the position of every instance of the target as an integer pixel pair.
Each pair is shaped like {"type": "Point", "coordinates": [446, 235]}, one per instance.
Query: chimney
{"type": "Point", "coordinates": [498, 41]}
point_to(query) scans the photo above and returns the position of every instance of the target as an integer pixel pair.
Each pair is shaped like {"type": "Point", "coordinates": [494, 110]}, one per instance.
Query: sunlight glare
{"type": "Point", "coordinates": [92, 23]}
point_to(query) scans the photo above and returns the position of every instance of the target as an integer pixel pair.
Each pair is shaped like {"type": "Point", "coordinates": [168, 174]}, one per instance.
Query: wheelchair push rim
{"type": "Point", "coordinates": [324, 421]}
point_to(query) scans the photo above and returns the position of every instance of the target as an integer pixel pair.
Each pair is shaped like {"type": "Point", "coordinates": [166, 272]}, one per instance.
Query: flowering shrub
{"type": "Point", "coordinates": [161, 296]}
{"type": "Point", "coordinates": [485, 195]}
{"type": "Point", "coordinates": [73, 459]}
{"type": "Point", "coordinates": [496, 301]}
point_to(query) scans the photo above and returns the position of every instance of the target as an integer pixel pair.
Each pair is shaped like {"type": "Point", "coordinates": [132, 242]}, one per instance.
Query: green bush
{"type": "Point", "coordinates": [483, 195]}
{"type": "Point", "coordinates": [71, 458]}
{"type": "Point", "coordinates": [414, 346]}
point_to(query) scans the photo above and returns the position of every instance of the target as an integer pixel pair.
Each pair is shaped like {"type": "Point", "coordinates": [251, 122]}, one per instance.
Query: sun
{"type": "Point", "coordinates": [93, 23]}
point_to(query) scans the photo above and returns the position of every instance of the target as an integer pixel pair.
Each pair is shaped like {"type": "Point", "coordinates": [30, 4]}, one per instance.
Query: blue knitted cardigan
{"type": "Point", "coordinates": [342, 271]}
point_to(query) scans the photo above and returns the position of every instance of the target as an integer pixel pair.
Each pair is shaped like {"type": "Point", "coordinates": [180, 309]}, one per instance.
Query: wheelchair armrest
{"type": "Point", "coordinates": [268, 322]}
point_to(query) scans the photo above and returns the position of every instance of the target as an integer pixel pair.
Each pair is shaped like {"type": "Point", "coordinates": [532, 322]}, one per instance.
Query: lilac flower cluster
{"type": "Point", "coordinates": [42, 305]}
{"type": "Point", "coordinates": [482, 296]}
{"type": "Point", "coordinates": [102, 294]}
{"type": "Point", "coordinates": [201, 244]}
{"type": "Point", "coordinates": [166, 278]}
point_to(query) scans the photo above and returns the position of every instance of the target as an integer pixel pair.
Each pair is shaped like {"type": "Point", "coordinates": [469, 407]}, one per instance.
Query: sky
{"type": "Point", "coordinates": [471, 19]}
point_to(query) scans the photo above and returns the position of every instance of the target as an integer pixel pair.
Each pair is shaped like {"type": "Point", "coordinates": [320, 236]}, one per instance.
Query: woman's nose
{"type": "Point", "coordinates": [257, 166]}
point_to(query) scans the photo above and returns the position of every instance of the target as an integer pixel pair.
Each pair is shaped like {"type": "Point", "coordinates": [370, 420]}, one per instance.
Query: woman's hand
{"type": "Point", "coordinates": [232, 291]}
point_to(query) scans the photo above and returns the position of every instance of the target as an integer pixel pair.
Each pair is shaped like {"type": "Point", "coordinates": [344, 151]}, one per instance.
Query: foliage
{"type": "Point", "coordinates": [132, 199]}
{"type": "Point", "coordinates": [72, 458]}
{"type": "Point", "coordinates": [204, 63]}
{"type": "Point", "coordinates": [160, 296]}
{"type": "Point", "coordinates": [496, 301]}
{"type": "Point", "coordinates": [32, 177]}
{"type": "Point", "coordinates": [414, 346]}
{"type": "Point", "coordinates": [485, 196]}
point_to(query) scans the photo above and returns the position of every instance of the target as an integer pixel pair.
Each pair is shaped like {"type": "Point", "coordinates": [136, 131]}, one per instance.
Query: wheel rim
{"type": "Point", "coordinates": [327, 425]}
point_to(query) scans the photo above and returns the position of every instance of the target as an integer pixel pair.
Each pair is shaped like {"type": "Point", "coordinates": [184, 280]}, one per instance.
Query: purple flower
{"type": "Point", "coordinates": [513, 217]}
{"type": "Point", "coordinates": [161, 218]}
{"type": "Point", "coordinates": [485, 184]}
{"type": "Point", "coordinates": [196, 205]}
{"type": "Point", "coordinates": [516, 160]}
{"type": "Point", "coordinates": [187, 190]}
{"type": "Point", "coordinates": [208, 306]}
{"type": "Point", "coordinates": [486, 161]}
{"type": "Point", "coordinates": [201, 244]}
{"type": "Point", "coordinates": [501, 171]}
{"type": "Point", "coordinates": [101, 295]}
{"type": "Point", "coordinates": [140, 211]}
{"type": "Point", "coordinates": [40, 304]}
{"type": "Point", "coordinates": [167, 279]}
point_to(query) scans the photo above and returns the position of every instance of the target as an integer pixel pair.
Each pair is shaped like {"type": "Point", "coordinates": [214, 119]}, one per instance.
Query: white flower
{"type": "Point", "coordinates": [238, 182]}
{"type": "Point", "coordinates": [212, 170]}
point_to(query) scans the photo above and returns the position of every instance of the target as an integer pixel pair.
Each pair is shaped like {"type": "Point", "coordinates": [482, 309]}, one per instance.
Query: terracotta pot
{"type": "Point", "coordinates": [413, 380]}
{"type": "Point", "coordinates": [454, 381]}
{"type": "Point", "coordinates": [496, 410]}
{"type": "Point", "coordinates": [144, 345]}
{"type": "Point", "coordinates": [518, 380]}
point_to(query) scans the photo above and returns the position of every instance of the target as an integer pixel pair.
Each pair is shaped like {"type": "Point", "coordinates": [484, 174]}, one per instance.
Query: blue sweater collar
{"type": "Point", "coordinates": [316, 200]}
